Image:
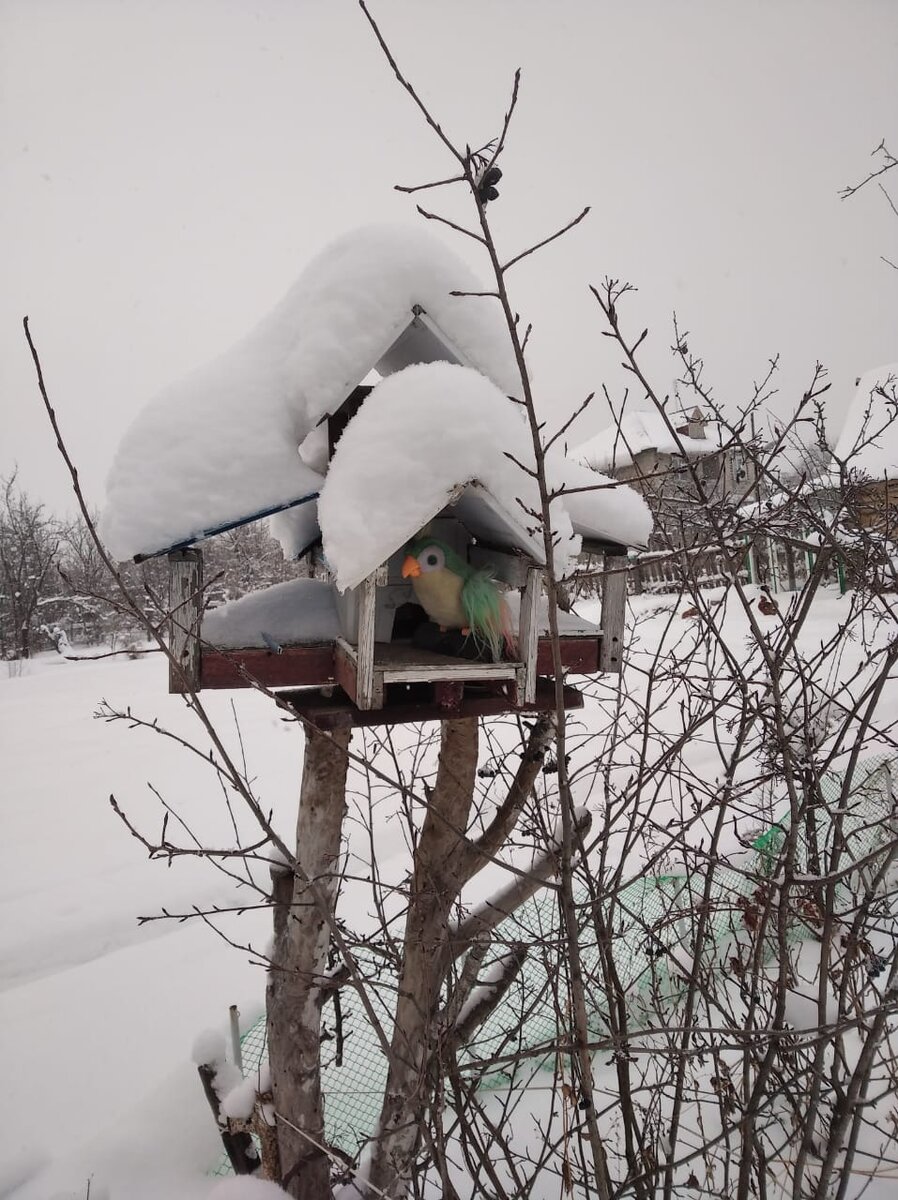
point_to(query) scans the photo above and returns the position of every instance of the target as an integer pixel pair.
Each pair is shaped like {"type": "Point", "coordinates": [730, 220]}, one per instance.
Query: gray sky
{"type": "Point", "coordinates": [168, 166]}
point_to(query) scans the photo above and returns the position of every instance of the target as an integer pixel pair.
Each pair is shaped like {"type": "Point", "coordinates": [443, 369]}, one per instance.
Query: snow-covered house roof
{"type": "Point", "coordinates": [869, 438]}
{"type": "Point", "coordinates": [618, 445]}
{"type": "Point", "coordinates": [243, 437]}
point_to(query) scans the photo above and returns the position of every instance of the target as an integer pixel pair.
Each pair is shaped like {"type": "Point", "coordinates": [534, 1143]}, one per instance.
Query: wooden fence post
{"type": "Point", "coordinates": [614, 606]}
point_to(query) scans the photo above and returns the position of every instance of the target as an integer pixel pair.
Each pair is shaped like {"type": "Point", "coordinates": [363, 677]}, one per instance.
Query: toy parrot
{"type": "Point", "coordinates": [456, 596]}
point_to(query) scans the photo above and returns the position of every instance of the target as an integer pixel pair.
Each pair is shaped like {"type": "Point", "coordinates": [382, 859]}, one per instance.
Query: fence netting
{"type": "Point", "coordinates": [643, 937]}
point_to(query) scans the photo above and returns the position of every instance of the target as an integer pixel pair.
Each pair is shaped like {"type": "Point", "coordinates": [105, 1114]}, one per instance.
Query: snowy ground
{"type": "Point", "coordinates": [99, 1013]}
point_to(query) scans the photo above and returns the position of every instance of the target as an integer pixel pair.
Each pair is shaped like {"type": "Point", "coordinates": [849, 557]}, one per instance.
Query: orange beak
{"type": "Point", "coordinates": [410, 568]}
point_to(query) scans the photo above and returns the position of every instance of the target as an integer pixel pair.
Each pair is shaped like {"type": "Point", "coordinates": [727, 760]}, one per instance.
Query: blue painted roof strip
{"type": "Point", "coordinates": [225, 526]}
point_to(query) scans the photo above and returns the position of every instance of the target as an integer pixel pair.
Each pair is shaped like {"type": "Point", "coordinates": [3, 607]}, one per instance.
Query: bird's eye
{"type": "Point", "coordinates": [432, 559]}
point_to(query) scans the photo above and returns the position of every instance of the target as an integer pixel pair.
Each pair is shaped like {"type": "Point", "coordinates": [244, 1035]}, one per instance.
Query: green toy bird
{"type": "Point", "coordinates": [456, 596]}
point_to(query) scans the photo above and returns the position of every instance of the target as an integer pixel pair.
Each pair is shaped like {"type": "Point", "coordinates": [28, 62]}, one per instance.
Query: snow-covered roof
{"type": "Point", "coordinates": [869, 438]}
{"type": "Point", "coordinates": [618, 445]}
{"type": "Point", "coordinates": [440, 433]}
{"type": "Point", "coordinates": [221, 444]}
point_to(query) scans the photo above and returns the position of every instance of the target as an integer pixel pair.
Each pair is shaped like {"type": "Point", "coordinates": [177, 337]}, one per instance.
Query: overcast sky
{"type": "Point", "coordinates": [168, 166]}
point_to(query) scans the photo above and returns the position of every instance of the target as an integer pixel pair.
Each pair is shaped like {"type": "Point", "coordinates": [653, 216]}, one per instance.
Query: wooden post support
{"type": "Point", "coordinates": [185, 607]}
{"type": "Point", "coordinates": [637, 577]}
{"type": "Point", "coordinates": [528, 632]}
{"type": "Point", "coordinates": [297, 977]}
{"type": "Point", "coordinates": [614, 606]}
{"type": "Point", "coordinates": [449, 695]}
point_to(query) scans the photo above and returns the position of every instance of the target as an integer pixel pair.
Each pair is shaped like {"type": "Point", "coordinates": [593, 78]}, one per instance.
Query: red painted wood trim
{"type": "Point", "coordinates": [295, 666]}
{"type": "Point", "coordinates": [578, 654]}
{"type": "Point", "coordinates": [317, 666]}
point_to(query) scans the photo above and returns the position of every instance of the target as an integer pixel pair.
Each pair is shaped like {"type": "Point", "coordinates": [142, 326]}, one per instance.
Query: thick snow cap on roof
{"type": "Point", "coordinates": [431, 430]}
{"type": "Point", "coordinates": [221, 444]}
{"type": "Point", "coordinates": [618, 445]}
{"type": "Point", "coordinates": [869, 438]}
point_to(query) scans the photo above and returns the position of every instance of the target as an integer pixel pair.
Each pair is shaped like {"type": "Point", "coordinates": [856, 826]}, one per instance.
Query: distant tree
{"type": "Point", "coordinates": [886, 161]}
{"type": "Point", "coordinates": [29, 548]}
{"type": "Point", "coordinates": [243, 560]}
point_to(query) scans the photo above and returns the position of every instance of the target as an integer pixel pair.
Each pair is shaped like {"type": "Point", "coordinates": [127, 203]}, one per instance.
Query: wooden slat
{"type": "Point", "coordinates": [345, 669]}
{"type": "Point", "coordinates": [528, 630]}
{"type": "Point", "coordinates": [578, 654]}
{"type": "Point", "coordinates": [614, 605]}
{"type": "Point", "coordinates": [295, 666]}
{"type": "Point", "coordinates": [185, 602]}
{"type": "Point", "coordinates": [365, 650]}
{"type": "Point", "coordinates": [400, 662]}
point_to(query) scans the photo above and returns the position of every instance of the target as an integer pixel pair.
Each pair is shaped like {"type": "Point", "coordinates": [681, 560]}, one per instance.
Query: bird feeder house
{"type": "Point", "coordinates": [388, 415]}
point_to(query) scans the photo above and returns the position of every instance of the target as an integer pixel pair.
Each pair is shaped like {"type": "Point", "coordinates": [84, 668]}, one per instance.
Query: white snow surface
{"type": "Point", "coordinates": [208, 1048]}
{"type": "Point", "coordinates": [246, 1187]}
{"type": "Point", "coordinates": [429, 429]}
{"type": "Point", "coordinates": [222, 443]}
{"type": "Point", "coordinates": [84, 989]}
{"type": "Point", "coordinates": [869, 437]}
{"type": "Point", "coordinates": [608, 509]}
{"type": "Point", "coordinates": [240, 1100]}
{"type": "Point", "coordinates": [618, 445]}
{"type": "Point", "coordinates": [295, 528]}
{"type": "Point", "coordinates": [300, 610]}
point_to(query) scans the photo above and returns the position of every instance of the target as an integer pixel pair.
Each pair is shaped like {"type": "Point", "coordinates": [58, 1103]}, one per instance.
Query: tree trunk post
{"type": "Point", "coordinates": [439, 870]}
{"type": "Point", "coordinates": [299, 963]}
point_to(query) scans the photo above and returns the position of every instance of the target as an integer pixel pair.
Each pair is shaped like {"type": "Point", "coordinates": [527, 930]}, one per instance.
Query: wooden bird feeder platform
{"type": "Point", "coordinates": [366, 676]}
{"type": "Point", "coordinates": [362, 666]}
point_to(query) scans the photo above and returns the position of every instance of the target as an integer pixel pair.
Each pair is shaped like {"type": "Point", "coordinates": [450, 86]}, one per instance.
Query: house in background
{"type": "Point", "coordinates": [865, 459]}
{"type": "Point", "coordinates": [657, 455]}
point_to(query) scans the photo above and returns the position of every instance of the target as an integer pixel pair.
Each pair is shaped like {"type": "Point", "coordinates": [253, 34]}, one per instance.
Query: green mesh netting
{"type": "Point", "coordinates": [646, 930]}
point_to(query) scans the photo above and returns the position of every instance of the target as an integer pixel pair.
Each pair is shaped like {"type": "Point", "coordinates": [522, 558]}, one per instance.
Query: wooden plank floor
{"type": "Point", "coordinates": [403, 662]}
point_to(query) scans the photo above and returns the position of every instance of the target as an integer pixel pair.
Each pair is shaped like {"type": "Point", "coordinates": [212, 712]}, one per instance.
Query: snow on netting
{"type": "Point", "coordinates": [649, 921]}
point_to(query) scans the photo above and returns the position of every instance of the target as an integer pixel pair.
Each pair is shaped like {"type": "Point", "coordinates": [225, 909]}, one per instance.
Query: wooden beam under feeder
{"type": "Point", "coordinates": [335, 710]}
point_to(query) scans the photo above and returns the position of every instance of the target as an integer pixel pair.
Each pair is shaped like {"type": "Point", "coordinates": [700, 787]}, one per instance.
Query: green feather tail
{"type": "Point", "coordinates": [488, 615]}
